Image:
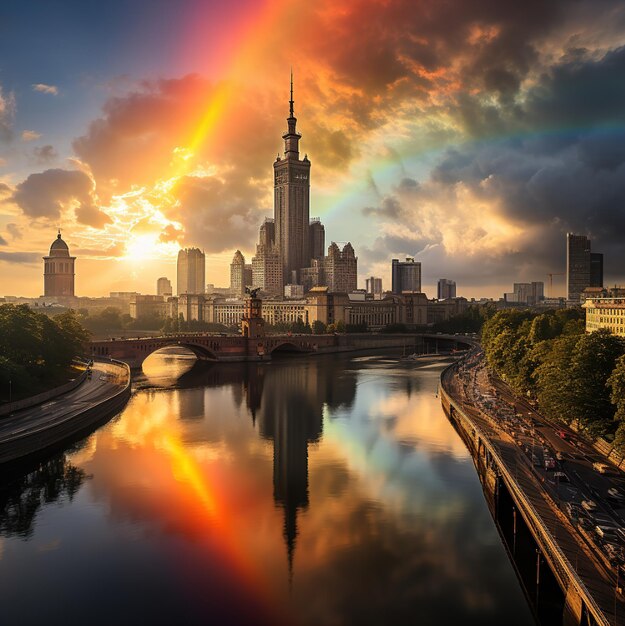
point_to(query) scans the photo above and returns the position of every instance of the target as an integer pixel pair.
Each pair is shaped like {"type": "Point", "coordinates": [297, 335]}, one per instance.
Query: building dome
{"type": "Point", "coordinates": [59, 247]}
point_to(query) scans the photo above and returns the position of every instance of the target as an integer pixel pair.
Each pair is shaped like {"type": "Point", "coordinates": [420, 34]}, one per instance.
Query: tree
{"type": "Point", "coordinates": [318, 327]}
{"type": "Point", "coordinates": [616, 384]}
{"type": "Point", "coordinates": [340, 326]}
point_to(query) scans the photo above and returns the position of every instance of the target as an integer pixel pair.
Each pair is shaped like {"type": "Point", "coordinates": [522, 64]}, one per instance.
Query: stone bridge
{"type": "Point", "coordinates": [237, 348]}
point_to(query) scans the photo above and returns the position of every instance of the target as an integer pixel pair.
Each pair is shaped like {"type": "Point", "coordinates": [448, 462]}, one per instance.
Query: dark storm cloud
{"type": "Point", "coordinates": [47, 194]}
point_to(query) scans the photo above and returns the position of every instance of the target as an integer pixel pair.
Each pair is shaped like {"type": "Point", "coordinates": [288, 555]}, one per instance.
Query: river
{"type": "Point", "coordinates": [328, 490]}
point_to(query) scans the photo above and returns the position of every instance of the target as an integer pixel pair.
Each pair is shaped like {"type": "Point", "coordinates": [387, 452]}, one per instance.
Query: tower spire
{"type": "Point", "coordinates": [291, 100]}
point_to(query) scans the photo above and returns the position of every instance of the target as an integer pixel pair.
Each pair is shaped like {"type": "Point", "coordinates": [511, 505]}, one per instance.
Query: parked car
{"type": "Point", "coordinates": [589, 505]}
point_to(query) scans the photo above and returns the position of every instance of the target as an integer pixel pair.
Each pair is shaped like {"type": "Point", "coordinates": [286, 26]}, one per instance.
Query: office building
{"type": "Point", "coordinates": [373, 286]}
{"type": "Point", "coordinates": [596, 269]}
{"type": "Point", "coordinates": [446, 289]}
{"type": "Point", "coordinates": [406, 275]}
{"type": "Point", "coordinates": [267, 270]}
{"type": "Point", "coordinates": [191, 271]}
{"type": "Point", "coordinates": [58, 270]}
{"type": "Point", "coordinates": [237, 274]}
{"type": "Point", "coordinates": [317, 238]}
{"type": "Point", "coordinates": [292, 203]}
{"type": "Point", "coordinates": [577, 265]}
{"type": "Point", "coordinates": [163, 287]}
{"type": "Point", "coordinates": [340, 268]}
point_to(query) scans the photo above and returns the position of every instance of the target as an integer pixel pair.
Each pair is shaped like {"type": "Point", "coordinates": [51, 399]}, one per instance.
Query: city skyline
{"type": "Point", "coordinates": [154, 151]}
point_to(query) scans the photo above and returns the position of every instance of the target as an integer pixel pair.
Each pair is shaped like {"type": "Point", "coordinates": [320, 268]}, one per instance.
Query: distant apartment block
{"type": "Point", "coordinates": [446, 289]}
{"type": "Point", "coordinates": [163, 287]}
{"type": "Point", "coordinates": [373, 286]}
{"type": "Point", "coordinates": [406, 275]}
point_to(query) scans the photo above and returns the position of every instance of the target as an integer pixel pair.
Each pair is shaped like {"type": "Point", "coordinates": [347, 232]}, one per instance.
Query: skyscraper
{"type": "Point", "coordinates": [292, 202]}
{"type": "Point", "coordinates": [406, 275]}
{"type": "Point", "coordinates": [577, 265]}
{"type": "Point", "coordinates": [237, 273]}
{"type": "Point", "coordinates": [317, 238]}
{"type": "Point", "coordinates": [267, 270]}
{"type": "Point", "coordinates": [191, 271]}
{"type": "Point", "coordinates": [58, 270]}
{"type": "Point", "coordinates": [340, 268]}
{"type": "Point", "coordinates": [446, 289]}
{"type": "Point", "coordinates": [596, 269]}
{"type": "Point", "coordinates": [163, 287]}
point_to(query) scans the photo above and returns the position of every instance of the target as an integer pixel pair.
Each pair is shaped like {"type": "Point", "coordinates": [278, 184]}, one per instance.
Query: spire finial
{"type": "Point", "coordinates": [291, 100]}
{"type": "Point", "coordinates": [59, 233]}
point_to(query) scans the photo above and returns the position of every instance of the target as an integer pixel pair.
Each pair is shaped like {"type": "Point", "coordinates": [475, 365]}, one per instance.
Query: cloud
{"type": "Point", "coordinates": [45, 154]}
{"type": "Point", "coordinates": [30, 135]}
{"type": "Point", "coordinates": [3, 241]}
{"type": "Point", "coordinates": [5, 190]}
{"type": "Point", "coordinates": [171, 234]}
{"type": "Point", "coordinates": [14, 231]}
{"type": "Point", "coordinates": [48, 194]}
{"type": "Point", "coordinates": [43, 88]}
{"type": "Point", "coordinates": [7, 112]}
{"type": "Point", "coordinates": [21, 257]}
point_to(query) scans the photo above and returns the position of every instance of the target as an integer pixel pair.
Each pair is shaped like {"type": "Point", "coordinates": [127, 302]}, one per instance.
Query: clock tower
{"type": "Point", "coordinates": [292, 202]}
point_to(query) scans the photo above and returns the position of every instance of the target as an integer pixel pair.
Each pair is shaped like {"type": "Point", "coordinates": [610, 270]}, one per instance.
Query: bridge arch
{"type": "Point", "coordinates": [202, 353]}
{"type": "Point", "coordinates": [290, 347]}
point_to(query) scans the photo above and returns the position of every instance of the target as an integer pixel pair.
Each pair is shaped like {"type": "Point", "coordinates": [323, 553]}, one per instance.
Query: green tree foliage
{"type": "Point", "coordinates": [549, 357]}
{"type": "Point", "coordinates": [471, 321]}
{"type": "Point", "coordinates": [35, 348]}
{"type": "Point", "coordinates": [318, 327]}
{"type": "Point", "coordinates": [616, 384]}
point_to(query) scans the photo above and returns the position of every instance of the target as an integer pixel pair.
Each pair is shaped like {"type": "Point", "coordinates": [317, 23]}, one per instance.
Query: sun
{"type": "Point", "coordinates": [147, 246]}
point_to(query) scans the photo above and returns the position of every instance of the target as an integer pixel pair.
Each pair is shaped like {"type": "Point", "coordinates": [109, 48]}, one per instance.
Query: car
{"type": "Point", "coordinates": [550, 463]}
{"type": "Point", "coordinates": [615, 494]}
{"type": "Point", "coordinates": [589, 505]}
{"type": "Point", "coordinates": [562, 477]}
{"type": "Point", "coordinates": [606, 532]}
{"type": "Point", "coordinates": [602, 468]}
{"type": "Point", "coordinates": [560, 455]}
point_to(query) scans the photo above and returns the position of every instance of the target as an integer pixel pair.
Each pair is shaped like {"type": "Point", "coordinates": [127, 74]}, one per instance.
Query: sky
{"type": "Point", "coordinates": [471, 136]}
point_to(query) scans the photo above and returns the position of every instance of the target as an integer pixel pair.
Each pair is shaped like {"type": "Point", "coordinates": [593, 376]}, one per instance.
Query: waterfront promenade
{"type": "Point", "coordinates": [588, 582]}
{"type": "Point", "coordinates": [33, 429]}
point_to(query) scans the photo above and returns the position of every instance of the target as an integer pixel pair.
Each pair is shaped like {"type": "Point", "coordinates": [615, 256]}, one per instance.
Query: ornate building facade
{"type": "Point", "coordinates": [292, 203]}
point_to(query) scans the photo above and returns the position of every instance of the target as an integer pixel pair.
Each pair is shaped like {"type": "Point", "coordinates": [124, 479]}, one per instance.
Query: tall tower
{"type": "Point", "coordinates": [191, 271]}
{"type": "Point", "coordinates": [58, 270]}
{"type": "Point", "coordinates": [292, 202]}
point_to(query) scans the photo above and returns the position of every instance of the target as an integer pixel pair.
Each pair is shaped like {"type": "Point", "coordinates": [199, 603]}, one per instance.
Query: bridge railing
{"type": "Point", "coordinates": [558, 558]}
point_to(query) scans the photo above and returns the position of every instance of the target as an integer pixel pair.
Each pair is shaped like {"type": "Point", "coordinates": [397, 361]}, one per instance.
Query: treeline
{"type": "Point", "coordinates": [469, 321]}
{"type": "Point", "coordinates": [35, 349]}
{"type": "Point", "coordinates": [574, 376]}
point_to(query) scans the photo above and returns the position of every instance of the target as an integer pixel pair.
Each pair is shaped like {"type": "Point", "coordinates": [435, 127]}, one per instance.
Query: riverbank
{"type": "Point", "coordinates": [503, 454]}
{"type": "Point", "coordinates": [96, 398]}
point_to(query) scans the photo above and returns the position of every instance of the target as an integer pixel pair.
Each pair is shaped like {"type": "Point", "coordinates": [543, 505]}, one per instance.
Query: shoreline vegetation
{"type": "Point", "coordinates": [37, 352]}
{"type": "Point", "coordinates": [575, 377]}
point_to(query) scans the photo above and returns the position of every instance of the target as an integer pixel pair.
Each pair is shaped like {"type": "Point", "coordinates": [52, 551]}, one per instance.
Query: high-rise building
{"type": "Point", "coordinates": [292, 202]}
{"type": "Point", "coordinates": [163, 287]}
{"type": "Point", "coordinates": [406, 275]}
{"type": "Point", "coordinates": [58, 270]}
{"type": "Point", "coordinates": [267, 235]}
{"type": "Point", "coordinates": [596, 269]}
{"type": "Point", "coordinates": [341, 268]}
{"type": "Point", "coordinates": [317, 238]}
{"type": "Point", "coordinates": [374, 285]}
{"type": "Point", "coordinates": [446, 289]}
{"type": "Point", "coordinates": [267, 270]}
{"type": "Point", "coordinates": [191, 271]}
{"type": "Point", "coordinates": [237, 273]}
{"type": "Point", "coordinates": [577, 265]}
{"type": "Point", "coordinates": [247, 276]}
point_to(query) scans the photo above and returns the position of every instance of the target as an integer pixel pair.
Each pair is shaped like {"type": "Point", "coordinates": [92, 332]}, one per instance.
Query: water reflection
{"type": "Point", "coordinates": [23, 495]}
{"type": "Point", "coordinates": [313, 491]}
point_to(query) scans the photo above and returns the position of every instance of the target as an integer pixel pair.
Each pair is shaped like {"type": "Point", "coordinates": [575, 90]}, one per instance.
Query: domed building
{"type": "Point", "coordinates": [58, 270]}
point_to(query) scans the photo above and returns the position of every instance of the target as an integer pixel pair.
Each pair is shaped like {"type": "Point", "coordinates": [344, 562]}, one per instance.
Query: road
{"type": "Point", "coordinates": [106, 380]}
